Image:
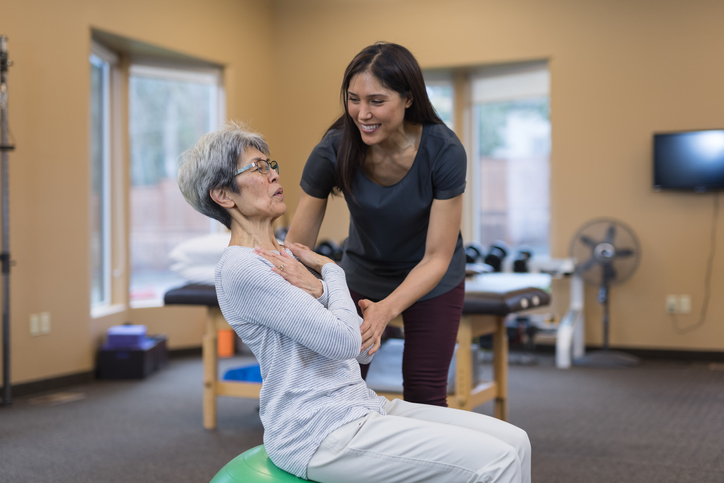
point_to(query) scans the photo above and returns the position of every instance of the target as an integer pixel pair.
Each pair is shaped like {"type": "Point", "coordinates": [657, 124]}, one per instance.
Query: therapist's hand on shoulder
{"type": "Point", "coordinates": [295, 272]}
{"type": "Point", "coordinates": [376, 317]}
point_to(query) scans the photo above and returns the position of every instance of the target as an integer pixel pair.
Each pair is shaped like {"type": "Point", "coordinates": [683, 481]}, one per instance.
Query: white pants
{"type": "Point", "coordinates": [421, 443]}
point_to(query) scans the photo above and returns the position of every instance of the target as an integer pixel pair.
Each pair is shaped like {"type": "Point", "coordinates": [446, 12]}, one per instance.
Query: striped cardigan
{"type": "Point", "coordinates": [306, 348]}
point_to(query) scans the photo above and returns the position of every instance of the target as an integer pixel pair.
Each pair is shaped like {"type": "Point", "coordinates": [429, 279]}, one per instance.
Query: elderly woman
{"type": "Point", "coordinates": [292, 307]}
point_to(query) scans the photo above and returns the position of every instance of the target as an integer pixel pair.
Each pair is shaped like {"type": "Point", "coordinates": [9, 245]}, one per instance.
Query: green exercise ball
{"type": "Point", "coordinates": [253, 466]}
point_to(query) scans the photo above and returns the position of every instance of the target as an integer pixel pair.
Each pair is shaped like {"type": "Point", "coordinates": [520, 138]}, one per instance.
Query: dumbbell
{"type": "Point", "coordinates": [474, 253]}
{"type": "Point", "coordinates": [329, 249]}
{"type": "Point", "coordinates": [497, 253]}
{"type": "Point", "coordinates": [520, 264]}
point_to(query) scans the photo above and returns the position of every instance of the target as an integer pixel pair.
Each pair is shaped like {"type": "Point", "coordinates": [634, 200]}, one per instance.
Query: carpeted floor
{"type": "Point", "coordinates": [660, 422]}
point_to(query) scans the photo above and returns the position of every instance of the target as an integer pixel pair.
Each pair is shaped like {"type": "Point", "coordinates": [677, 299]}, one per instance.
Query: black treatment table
{"type": "Point", "coordinates": [487, 303]}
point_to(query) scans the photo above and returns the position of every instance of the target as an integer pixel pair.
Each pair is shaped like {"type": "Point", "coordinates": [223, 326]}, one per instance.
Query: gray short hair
{"type": "Point", "coordinates": [211, 163]}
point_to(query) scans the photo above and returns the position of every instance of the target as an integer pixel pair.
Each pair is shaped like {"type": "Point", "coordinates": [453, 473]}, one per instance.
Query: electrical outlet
{"type": "Point", "coordinates": [45, 323]}
{"type": "Point", "coordinates": [671, 304]}
{"type": "Point", "coordinates": [34, 325]}
{"type": "Point", "coordinates": [684, 304]}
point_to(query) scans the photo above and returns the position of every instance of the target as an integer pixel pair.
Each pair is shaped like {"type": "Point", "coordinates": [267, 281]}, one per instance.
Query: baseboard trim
{"type": "Point", "coordinates": [185, 352]}
{"type": "Point", "coordinates": [62, 382]}
{"type": "Point", "coordinates": [46, 385]}
{"type": "Point", "coordinates": [652, 354]}
{"type": "Point", "coordinates": [676, 355]}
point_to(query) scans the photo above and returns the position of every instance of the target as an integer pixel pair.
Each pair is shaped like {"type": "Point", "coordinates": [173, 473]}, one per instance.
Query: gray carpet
{"type": "Point", "coordinates": [660, 422]}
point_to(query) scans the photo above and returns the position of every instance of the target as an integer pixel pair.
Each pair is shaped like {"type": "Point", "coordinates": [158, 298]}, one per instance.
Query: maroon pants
{"type": "Point", "coordinates": [431, 328]}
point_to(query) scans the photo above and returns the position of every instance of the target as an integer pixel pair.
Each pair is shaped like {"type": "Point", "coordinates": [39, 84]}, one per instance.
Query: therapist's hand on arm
{"type": "Point", "coordinates": [442, 235]}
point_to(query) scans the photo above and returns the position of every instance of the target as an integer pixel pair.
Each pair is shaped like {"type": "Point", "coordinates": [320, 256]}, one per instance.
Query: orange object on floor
{"type": "Point", "coordinates": [225, 339]}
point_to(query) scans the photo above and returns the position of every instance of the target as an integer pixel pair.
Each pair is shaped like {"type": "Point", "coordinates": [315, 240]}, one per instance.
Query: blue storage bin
{"type": "Point", "coordinates": [132, 362]}
{"type": "Point", "coordinates": [128, 336]}
{"type": "Point", "coordinates": [250, 373]}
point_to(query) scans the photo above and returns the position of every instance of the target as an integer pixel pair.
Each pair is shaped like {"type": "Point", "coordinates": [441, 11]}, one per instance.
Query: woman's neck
{"type": "Point", "coordinates": [406, 138]}
{"type": "Point", "coordinates": [248, 234]}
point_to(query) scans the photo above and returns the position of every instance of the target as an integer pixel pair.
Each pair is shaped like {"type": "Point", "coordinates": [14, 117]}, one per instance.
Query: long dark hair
{"type": "Point", "coordinates": [396, 69]}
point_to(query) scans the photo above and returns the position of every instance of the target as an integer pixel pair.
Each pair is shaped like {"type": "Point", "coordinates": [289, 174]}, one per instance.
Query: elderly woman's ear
{"type": "Point", "coordinates": [221, 196]}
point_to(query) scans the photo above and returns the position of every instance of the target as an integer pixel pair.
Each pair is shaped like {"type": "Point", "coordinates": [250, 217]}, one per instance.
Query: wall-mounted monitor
{"type": "Point", "coordinates": [689, 160]}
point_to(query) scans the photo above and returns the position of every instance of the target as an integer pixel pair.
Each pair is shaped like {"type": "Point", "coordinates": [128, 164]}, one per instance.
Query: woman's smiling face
{"type": "Point", "coordinates": [377, 111]}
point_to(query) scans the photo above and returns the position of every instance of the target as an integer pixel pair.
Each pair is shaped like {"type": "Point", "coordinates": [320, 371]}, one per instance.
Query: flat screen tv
{"type": "Point", "coordinates": [689, 160]}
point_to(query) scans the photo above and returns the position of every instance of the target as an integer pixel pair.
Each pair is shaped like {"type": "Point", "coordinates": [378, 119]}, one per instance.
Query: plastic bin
{"type": "Point", "coordinates": [132, 363]}
{"type": "Point", "coordinates": [131, 336]}
{"type": "Point", "coordinates": [250, 373]}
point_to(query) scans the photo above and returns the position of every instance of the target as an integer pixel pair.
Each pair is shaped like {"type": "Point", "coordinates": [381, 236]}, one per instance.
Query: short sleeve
{"type": "Point", "coordinates": [449, 169]}
{"type": "Point", "coordinates": [318, 175]}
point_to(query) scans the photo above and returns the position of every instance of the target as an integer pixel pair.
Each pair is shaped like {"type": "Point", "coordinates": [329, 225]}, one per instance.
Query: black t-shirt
{"type": "Point", "coordinates": [388, 224]}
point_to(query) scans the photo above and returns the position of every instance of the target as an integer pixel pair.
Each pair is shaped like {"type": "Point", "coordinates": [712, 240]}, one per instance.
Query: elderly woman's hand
{"type": "Point", "coordinates": [295, 272]}
{"type": "Point", "coordinates": [308, 257]}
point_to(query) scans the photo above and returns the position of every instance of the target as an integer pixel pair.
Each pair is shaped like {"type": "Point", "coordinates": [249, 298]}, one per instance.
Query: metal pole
{"type": "Point", "coordinates": [5, 147]}
{"type": "Point", "coordinates": [603, 299]}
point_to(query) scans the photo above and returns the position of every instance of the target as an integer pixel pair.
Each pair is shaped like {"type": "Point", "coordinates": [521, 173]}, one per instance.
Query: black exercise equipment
{"type": "Point", "coordinates": [330, 249]}
{"type": "Point", "coordinates": [474, 253]}
{"type": "Point", "coordinates": [5, 148]}
{"type": "Point", "coordinates": [497, 253]}
{"type": "Point", "coordinates": [520, 264]}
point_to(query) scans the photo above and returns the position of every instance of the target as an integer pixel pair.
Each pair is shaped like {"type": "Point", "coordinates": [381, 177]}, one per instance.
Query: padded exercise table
{"type": "Point", "coordinates": [489, 298]}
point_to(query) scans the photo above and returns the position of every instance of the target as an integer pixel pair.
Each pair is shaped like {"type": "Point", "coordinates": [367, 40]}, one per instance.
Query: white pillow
{"type": "Point", "coordinates": [195, 259]}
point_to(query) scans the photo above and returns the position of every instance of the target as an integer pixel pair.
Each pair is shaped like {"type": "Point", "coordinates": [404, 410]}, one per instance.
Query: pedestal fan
{"type": "Point", "coordinates": [607, 253]}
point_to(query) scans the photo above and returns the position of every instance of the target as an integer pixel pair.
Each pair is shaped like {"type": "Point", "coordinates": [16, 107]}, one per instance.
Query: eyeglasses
{"type": "Point", "coordinates": [261, 165]}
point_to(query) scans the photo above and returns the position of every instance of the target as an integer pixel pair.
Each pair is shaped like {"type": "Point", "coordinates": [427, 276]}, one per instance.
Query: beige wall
{"type": "Point", "coordinates": [49, 41]}
{"type": "Point", "coordinates": [620, 71]}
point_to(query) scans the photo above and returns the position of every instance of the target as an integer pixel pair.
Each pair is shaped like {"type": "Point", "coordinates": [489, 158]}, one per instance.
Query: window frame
{"type": "Point", "coordinates": [173, 71]}
{"type": "Point", "coordinates": [537, 75]}
{"type": "Point", "coordinates": [102, 57]}
{"type": "Point", "coordinates": [444, 78]}
{"type": "Point", "coordinates": [185, 73]}
{"type": "Point", "coordinates": [462, 79]}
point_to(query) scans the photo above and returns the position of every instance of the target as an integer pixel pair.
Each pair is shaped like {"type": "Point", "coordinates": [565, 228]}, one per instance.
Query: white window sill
{"type": "Point", "coordinates": [144, 304]}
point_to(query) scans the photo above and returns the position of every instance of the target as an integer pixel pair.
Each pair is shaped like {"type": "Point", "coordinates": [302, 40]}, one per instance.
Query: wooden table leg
{"type": "Point", "coordinates": [500, 361]}
{"type": "Point", "coordinates": [464, 366]}
{"type": "Point", "coordinates": [210, 369]}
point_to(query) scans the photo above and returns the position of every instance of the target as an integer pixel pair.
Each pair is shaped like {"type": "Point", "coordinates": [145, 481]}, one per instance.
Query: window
{"type": "Point", "coordinates": [507, 135]}
{"type": "Point", "coordinates": [439, 88]}
{"type": "Point", "coordinates": [169, 109]}
{"type": "Point", "coordinates": [511, 151]}
{"type": "Point", "coordinates": [101, 62]}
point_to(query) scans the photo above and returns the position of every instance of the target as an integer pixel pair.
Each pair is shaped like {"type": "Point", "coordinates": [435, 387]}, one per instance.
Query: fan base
{"type": "Point", "coordinates": [606, 359]}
